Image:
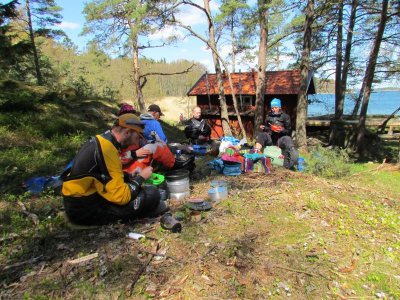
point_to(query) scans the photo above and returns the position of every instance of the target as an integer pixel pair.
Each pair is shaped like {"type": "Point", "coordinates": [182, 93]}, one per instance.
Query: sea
{"type": "Point", "coordinates": [380, 103]}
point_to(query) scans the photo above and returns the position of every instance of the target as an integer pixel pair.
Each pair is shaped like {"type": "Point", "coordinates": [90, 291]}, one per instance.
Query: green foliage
{"type": "Point", "coordinates": [41, 144]}
{"type": "Point", "coordinates": [95, 74]}
{"type": "Point", "coordinates": [329, 163]}
{"type": "Point", "coordinates": [13, 51]}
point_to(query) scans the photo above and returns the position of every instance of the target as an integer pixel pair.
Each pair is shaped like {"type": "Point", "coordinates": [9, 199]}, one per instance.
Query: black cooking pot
{"type": "Point", "coordinates": [175, 175]}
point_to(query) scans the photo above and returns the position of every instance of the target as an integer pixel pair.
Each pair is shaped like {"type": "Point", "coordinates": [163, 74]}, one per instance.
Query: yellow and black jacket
{"type": "Point", "coordinates": [97, 169]}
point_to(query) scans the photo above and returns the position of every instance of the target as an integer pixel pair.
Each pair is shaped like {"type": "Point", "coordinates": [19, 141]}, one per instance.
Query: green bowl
{"type": "Point", "coordinates": [155, 179]}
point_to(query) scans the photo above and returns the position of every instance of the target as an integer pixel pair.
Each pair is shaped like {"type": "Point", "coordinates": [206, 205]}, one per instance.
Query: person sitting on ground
{"type": "Point", "coordinates": [152, 129]}
{"type": "Point", "coordinates": [126, 109]}
{"type": "Point", "coordinates": [276, 131]}
{"type": "Point", "coordinates": [137, 157]}
{"type": "Point", "coordinates": [197, 129]}
{"type": "Point", "coordinates": [96, 191]}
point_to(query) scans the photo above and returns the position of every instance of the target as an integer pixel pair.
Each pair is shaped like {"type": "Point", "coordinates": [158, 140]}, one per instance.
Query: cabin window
{"type": "Point", "coordinates": [247, 101]}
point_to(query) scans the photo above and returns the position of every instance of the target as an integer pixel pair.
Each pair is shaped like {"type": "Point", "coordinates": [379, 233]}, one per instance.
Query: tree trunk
{"type": "Point", "coordinates": [39, 77]}
{"type": "Point", "coordinates": [382, 127]}
{"type": "Point", "coordinates": [346, 61]}
{"type": "Point", "coordinates": [136, 72]}
{"type": "Point", "coordinates": [235, 104]}
{"type": "Point", "coordinates": [305, 68]}
{"type": "Point", "coordinates": [339, 61]}
{"type": "Point", "coordinates": [233, 44]}
{"type": "Point", "coordinates": [220, 81]}
{"type": "Point", "coordinates": [369, 77]}
{"type": "Point", "coordinates": [358, 101]}
{"type": "Point", "coordinates": [341, 81]}
{"type": "Point", "coordinates": [262, 66]}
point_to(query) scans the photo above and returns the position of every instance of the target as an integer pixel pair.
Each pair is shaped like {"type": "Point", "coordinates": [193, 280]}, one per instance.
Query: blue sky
{"type": "Point", "coordinates": [189, 48]}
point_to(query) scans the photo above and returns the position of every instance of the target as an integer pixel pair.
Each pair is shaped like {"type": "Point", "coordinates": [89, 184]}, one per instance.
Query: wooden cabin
{"type": "Point", "coordinates": [283, 85]}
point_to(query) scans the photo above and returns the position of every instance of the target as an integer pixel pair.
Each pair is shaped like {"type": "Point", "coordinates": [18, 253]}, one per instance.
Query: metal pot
{"type": "Point", "coordinates": [178, 186]}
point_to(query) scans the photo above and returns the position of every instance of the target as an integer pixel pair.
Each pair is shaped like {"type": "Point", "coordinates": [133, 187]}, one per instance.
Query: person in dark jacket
{"type": "Point", "coordinates": [276, 131]}
{"type": "Point", "coordinates": [97, 192]}
{"type": "Point", "coordinates": [197, 129]}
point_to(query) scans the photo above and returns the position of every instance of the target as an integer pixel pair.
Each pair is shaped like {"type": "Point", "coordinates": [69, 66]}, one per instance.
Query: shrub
{"type": "Point", "coordinates": [329, 163]}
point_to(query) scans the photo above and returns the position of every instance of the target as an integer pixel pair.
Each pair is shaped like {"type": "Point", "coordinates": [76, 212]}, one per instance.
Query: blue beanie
{"type": "Point", "coordinates": [275, 102]}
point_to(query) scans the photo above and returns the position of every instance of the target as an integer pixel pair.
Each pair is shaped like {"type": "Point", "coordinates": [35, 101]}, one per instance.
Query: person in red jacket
{"type": "Point", "coordinates": [135, 158]}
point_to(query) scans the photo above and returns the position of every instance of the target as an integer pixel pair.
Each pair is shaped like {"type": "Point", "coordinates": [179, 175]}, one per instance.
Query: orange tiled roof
{"type": "Point", "coordinates": [278, 83]}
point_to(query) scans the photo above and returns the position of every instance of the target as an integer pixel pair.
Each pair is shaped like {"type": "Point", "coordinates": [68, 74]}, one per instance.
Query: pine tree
{"type": "Point", "coordinates": [41, 16]}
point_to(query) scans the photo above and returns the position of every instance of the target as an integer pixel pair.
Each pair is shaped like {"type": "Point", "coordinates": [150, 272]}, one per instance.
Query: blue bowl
{"type": "Point", "coordinates": [199, 149]}
{"type": "Point", "coordinates": [218, 193]}
{"type": "Point", "coordinates": [219, 183]}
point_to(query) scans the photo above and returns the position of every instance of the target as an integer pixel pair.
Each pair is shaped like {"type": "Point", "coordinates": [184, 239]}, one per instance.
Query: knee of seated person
{"type": "Point", "coordinates": [152, 195]}
{"type": "Point", "coordinates": [286, 142]}
{"type": "Point", "coordinates": [151, 191]}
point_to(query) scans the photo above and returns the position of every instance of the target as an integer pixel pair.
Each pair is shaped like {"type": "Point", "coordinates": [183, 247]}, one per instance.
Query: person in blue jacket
{"type": "Point", "coordinates": [152, 127]}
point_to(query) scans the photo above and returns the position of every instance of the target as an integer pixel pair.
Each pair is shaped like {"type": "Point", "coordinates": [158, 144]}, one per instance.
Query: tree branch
{"type": "Point", "coordinates": [167, 74]}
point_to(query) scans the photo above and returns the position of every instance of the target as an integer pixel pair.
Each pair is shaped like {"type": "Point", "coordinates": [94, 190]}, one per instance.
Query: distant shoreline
{"type": "Point", "coordinates": [387, 90]}
{"type": "Point", "coordinates": [375, 91]}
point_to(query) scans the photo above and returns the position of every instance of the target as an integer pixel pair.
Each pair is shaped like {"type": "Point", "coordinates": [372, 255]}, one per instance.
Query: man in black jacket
{"type": "Point", "coordinates": [197, 129]}
{"type": "Point", "coordinates": [276, 131]}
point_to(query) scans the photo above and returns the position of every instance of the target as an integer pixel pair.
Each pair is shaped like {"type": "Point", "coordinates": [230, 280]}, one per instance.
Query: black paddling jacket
{"type": "Point", "coordinates": [280, 119]}
{"type": "Point", "coordinates": [97, 169]}
{"type": "Point", "coordinates": [194, 128]}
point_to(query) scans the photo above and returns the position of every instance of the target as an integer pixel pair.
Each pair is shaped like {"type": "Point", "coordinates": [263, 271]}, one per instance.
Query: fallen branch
{"type": "Point", "coordinates": [157, 254]}
{"type": "Point", "coordinates": [208, 252]}
{"type": "Point", "coordinates": [83, 259]}
{"type": "Point", "coordinates": [142, 269]}
{"type": "Point", "coordinates": [299, 271]}
{"type": "Point", "coordinates": [18, 264]}
{"type": "Point", "coordinates": [32, 216]}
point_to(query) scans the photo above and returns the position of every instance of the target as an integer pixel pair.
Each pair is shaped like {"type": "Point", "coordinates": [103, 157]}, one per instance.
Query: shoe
{"type": "Point", "coordinates": [168, 222]}
{"type": "Point", "coordinates": [161, 209]}
{"type": "Point", "coordinates": [290, 157]}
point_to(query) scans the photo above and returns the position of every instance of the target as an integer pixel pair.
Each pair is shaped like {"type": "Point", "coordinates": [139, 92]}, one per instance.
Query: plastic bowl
{"type": "Point", "coordinates": [218, 183]}
{"type": "Point", "coordinates": [155, 179]}
{"type": "Point", "coordinates": [218, 193]}
{"type": "Point", "coordinates": [199, 149]}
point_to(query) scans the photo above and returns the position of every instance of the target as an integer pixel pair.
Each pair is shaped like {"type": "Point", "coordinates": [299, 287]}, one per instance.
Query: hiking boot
{"type": "Point", "coordinates": [290, 157]}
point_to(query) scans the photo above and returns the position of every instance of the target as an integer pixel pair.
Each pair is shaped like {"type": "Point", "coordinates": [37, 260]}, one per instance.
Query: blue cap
{"type": "Point", "coordinates": [275, 102]}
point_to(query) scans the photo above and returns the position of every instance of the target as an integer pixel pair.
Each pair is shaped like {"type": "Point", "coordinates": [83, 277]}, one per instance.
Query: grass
{"type": "Point", "coordinates": [285, 234]}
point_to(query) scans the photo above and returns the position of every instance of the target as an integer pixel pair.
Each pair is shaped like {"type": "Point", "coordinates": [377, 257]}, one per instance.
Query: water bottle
{"type": "Point", "coordinates": [300, 164]}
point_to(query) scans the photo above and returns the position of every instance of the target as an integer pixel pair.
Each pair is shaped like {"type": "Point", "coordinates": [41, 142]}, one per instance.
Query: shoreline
{"type": "Point", "coordinates": [348, 117]}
